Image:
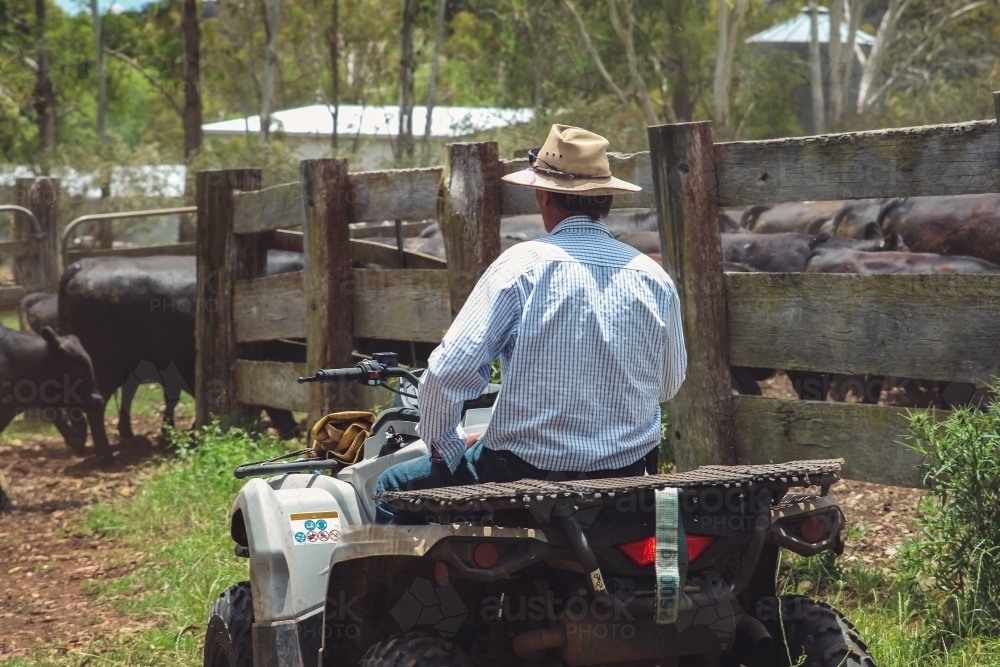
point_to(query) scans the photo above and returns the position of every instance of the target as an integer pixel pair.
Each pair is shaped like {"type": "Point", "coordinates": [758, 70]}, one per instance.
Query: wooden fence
{"type": "Point", "coordinates": [929, 327]}
{"type": "Point", "coordinates": [935, 327]}
{"type": "Point", "coordinates": [329, 304]}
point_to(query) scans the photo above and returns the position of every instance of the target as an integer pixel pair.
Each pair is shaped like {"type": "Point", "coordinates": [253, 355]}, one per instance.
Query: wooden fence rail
{"type": "Point", "coordinates": [935, 327]}
{"type": "Point", "coordinates": [328, 304]}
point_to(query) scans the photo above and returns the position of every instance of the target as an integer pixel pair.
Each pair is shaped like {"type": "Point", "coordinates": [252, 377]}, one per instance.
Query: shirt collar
{"type": "Point", "coordinates": [581, 222]}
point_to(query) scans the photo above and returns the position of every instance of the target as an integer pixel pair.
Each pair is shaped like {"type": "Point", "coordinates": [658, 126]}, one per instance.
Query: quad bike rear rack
{"type": "Point", "coordinates": [524, 493]}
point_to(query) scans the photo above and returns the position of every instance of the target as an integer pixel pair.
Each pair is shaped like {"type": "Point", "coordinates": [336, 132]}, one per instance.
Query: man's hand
{"type": "Point", "coordinates": [470, 440]}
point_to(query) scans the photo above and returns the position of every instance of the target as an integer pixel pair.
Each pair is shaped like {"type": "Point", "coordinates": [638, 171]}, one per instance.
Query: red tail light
{"type": "Point", "coordinates": [643, 552]}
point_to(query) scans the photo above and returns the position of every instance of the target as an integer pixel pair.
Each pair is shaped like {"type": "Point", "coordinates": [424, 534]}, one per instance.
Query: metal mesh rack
{"type": "Point", "coordinates": [822, 472]}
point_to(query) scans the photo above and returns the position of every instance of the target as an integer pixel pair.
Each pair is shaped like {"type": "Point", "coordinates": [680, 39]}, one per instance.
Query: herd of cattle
{"type": "Point", "coordinates": [116, 323]}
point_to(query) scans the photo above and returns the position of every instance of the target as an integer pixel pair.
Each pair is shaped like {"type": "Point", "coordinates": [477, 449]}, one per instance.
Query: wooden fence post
{"type": "Point", "coordinates": [38, 270]}
{"type": "Point", "coordinates": [469, 213]}
{"type": "Point", "coordinates": [685, 186]}
{"type": "Point", "coordinates": [223, 258]}
{"type": "Point", "coordinates": [328, 280]}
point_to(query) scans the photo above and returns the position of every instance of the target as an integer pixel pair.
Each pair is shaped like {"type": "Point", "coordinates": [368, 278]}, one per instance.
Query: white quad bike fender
{"type": "Point", "coordinates": [289, 574]}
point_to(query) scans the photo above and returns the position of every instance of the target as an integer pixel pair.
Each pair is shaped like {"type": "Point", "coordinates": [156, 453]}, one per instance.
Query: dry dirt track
{"type": "Point", "coordinates": [45, 560]}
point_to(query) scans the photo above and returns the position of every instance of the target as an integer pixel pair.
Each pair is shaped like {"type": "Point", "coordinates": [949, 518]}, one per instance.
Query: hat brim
{"type": "Point", "coordinates": [581, 186]}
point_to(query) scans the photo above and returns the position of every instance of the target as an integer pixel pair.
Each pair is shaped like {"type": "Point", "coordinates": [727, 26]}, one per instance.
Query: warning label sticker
{"type": "Point", "coordinates": [315, 527]}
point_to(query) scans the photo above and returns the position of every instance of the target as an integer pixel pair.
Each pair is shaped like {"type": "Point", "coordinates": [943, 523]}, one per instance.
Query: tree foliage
{"type": "Point", "coordinates": [612, 65]}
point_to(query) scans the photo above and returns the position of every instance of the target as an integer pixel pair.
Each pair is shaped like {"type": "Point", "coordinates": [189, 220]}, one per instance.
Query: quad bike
{"type": "Point", "coordinates": [668, 570]}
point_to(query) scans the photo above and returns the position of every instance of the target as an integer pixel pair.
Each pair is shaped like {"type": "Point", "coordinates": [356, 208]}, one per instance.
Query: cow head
{"type": "Point", "coordinates": [71, 364]}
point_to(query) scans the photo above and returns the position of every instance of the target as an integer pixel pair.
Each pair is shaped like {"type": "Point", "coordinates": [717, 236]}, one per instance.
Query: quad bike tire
{"type": "Point", "coordinates": [416, 649]}
{"type": "Point", "coordinates": [229, 640]}
{"type": "Point", "coordinates": [816, 635]}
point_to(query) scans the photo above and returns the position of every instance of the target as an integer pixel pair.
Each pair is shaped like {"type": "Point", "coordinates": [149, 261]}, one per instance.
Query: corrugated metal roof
{"type": "Point", "coordinates": [798, 30]}
{"type": "Point", "coordinates": [368, 121]}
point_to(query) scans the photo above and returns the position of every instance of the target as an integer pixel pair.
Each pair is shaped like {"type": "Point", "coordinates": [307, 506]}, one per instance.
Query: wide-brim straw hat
{"type": "Point", "coordinates": [571, 160]}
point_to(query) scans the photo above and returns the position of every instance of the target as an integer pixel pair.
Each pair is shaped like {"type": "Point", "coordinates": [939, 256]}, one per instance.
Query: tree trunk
{"type": "Point", "coordinates": [432, 84]}
{"type": "Point", "coordinates": [105, 237]}
{"type": "Point", "coordinates": [720, 89]}
{"type": "Point", "coordinates": [874, 62]}
{"type": "Point", "coordinates": [856, 9]}
{"type": "Point", "coordinates": [102, 79]}
{"type": "Point", "coordinates": [333, 41]}
{"type": "Point", "coordinates": [44, 93]}
{"type": "Point", "coordinates": [404, 143]}
{"type": "Point", "coordinates": [625, 34]}
{"type": "Point", "coordinates": [191, 117]}
{"type": "Point", "coordinates": [682, 106]}
{"type": "Point", "coordinates": [271, 18]}
{"type": "Point", "coordinates": [816, 73]}
{"type": "Point", "coordinates": [836, 51]}
{"type": "Point", "coordinates": [192, 79]}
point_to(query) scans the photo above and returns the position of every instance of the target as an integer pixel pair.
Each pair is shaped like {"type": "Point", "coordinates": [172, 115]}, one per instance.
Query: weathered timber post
{"type": "Point", "coordinates": [685, 186]}
{"type": "Point", "coordinates": [39, 269]}
{"type": "Point", "coordinates": [469, 213]}
{"type": "Point", "coordinates": [328, 281]}
{"type": "Point", "coordinates": [223, 258]}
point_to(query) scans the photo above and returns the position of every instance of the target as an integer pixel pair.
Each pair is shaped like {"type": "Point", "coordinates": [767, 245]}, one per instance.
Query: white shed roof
{"type": "Point", "coordinates": [317, 119]}
{"type": "Point", "coordinates": [164, 180]}
{"type": "Point", "coordinates": [798, 30]}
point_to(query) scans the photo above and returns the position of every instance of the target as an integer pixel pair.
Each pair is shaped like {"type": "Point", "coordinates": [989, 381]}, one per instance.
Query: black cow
{"type": "Point", "coordinates": [858, 219]}
{"type": "Point", "coordinates": [136, 319]}
{"type": "Point", "coordinates": [797, 217]}
{"type": "Point", "coordinates": [789, 252]}
{"type": "Point", "coordinates": [846, 260]}
{"type": "Point", "coordinates": [967, 225]}
{"type": "Point", "coordinates": [51, 373]}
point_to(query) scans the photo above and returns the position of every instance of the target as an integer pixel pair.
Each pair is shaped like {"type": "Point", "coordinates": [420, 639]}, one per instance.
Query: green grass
{"type": "Point", "coordinates": [10, 319]}
{"type": "Point", "coordinates": [180, 522]}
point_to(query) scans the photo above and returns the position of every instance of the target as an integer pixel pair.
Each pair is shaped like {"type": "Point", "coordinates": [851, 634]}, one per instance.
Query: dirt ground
{"type": "Point", "coordinates": [45, 561]}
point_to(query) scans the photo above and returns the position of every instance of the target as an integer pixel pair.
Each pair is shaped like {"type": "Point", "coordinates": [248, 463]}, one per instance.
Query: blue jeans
{"type": "Point", "coordinates": [479, 465]}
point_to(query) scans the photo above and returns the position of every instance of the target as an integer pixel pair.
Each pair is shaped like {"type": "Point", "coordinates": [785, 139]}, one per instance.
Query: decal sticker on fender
{"type": "Point", "coordinates": [315, 527]}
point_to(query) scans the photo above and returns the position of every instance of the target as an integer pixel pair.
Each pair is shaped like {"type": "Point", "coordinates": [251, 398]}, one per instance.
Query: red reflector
{"type": "Point", "coordinates": [643, 552]}
{"type": "Point", "coordinates": [485, 555]}
{"type": "Point", "coordinates": [697, 545]}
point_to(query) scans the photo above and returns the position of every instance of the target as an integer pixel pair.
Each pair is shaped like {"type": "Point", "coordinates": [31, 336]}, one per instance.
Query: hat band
{"type": "Point", "coordinates": [558, 173]}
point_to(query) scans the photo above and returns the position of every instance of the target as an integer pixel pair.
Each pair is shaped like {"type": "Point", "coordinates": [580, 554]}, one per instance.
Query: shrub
{"type": "Point", "coordinates": [958, 554]}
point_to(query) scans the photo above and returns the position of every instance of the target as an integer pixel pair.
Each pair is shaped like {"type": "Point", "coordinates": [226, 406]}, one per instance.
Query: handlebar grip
{"type": "Point", "coordinates": [336, 375]}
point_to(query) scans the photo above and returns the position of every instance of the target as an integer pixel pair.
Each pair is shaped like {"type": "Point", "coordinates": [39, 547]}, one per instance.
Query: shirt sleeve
{"type": "Point", "coordinates": [673, 348]}
{"type": "Point", "coordinates": [459, 369]}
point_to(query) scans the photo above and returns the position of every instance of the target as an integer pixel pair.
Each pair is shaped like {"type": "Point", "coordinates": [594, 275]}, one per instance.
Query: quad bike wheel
{"type": "Point", "coordinates": [815, 635]}
{"type": "Point", "coordinates": [229, 640]}
{"type": "Point", "coordinates": [416, 649]}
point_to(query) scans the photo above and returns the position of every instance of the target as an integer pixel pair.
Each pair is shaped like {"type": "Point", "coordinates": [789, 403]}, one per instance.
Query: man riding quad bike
{"type": "Point", "coordinates": [541, 541]}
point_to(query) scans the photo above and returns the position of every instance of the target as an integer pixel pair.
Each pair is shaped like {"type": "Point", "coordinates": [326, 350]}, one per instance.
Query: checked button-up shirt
{"type": "Point", "coordinates": [588, 333]}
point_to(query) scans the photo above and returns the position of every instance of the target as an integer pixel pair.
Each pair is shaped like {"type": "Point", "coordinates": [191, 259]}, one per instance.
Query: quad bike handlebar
{"type": "Point", "coordinates": [373, 372]}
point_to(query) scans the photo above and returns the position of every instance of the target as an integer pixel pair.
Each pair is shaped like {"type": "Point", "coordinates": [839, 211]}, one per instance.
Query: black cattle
{"type": "Point", "coordinates": [136, 319]}
{"type": "Point", "coordinates": [43, 373]}
{"type": "Point", "coordinates": [37, 310]}
{"type": "Point", "coordinates": [858, 219]}
{"type": "Point", "coordinates": [846, 260]}
{"type": "Point", "coordinates": [967, 225]}
{"type": "Point", "coordinates": [796, 217]}
{"type": "Point", "coordinates": [789, 252]}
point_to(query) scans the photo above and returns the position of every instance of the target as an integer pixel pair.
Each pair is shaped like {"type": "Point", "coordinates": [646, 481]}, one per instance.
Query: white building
{"type": "Point", "coordinates": [367, 131]}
